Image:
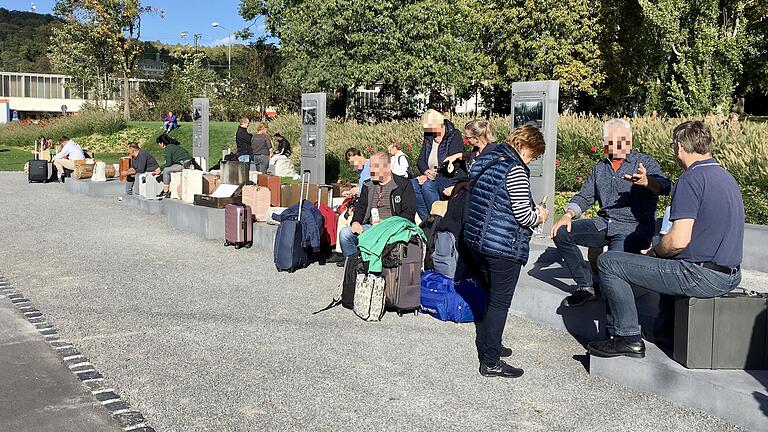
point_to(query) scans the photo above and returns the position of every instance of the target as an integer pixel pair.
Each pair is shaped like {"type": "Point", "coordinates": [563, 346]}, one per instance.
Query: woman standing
{"type": "Point", "coordinates": [497, 230]}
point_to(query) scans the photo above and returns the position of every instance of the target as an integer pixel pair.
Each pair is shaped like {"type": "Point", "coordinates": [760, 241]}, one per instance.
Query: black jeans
{"type": "Point", "coordinates": [499, 276]}
{"type": "Point", "coordinates": [584, 233]}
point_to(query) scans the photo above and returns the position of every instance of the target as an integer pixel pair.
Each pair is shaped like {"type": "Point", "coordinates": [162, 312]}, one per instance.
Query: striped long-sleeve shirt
{"type": "Point", "coordinates": [518, 187]}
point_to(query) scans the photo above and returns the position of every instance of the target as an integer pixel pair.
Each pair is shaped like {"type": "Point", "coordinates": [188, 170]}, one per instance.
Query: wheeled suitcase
{"type": "Point", "coordinates": [448, 300]}
{"type": "Point", "coordinates": [727, 332]}
{"type": "Point", "coordinates": [403, 281]}
{"type": "Point", "coordinates": [238, 226]}
{"type": "Point", "coordinates": [38, 169]}
{"type": "Point", "coordinates": [290, 254]}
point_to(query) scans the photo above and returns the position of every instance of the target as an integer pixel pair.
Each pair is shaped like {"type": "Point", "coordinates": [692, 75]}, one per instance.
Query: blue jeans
{"type": "Point", "coordinates": [428, 193]}
{"type": "Point", "coordinates": [244, 158]}
{"type": "Point", "coordinates": [584, 233]}
{"type": "Point", "coordinates": [620, 270]}
{"type": "Point", "coordinates": [348, 240]}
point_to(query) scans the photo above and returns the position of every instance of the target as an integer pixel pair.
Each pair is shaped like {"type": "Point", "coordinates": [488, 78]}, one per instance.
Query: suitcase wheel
{"type": "Point", "coordinates": [238, 245]}
{"type": "Point", "coordinates": [249, 244]}
{"type": "Point", "coordinates": [227, 243]}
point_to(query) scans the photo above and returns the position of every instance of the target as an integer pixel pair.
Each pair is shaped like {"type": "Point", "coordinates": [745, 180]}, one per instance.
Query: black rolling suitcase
{"type": "Point", "coordinates": [38, 169]}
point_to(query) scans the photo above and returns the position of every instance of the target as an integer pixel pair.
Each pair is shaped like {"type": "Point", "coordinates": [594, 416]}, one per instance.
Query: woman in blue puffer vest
{"type": "Point", "coordinates": [498, 227]}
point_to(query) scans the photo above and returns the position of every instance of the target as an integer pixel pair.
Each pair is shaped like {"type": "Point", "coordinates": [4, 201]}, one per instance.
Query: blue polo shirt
{"type": "Point", "coordinates": [365, 175]}
{"type": "Point", "coordinates": [709, 194]}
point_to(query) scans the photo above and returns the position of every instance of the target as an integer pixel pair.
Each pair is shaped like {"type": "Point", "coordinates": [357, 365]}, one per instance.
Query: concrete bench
{"type": "Point", "coordinates": [110, 188]}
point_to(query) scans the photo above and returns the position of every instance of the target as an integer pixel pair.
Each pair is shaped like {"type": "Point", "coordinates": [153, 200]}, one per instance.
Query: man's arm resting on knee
{"type": "Point", "coordinates": [676, 240]}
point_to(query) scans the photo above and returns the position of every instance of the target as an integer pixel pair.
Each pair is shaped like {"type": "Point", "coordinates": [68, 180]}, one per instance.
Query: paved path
{"type": "Point", "coordinates": [38, 393]}
{"type": "Point", "coordinates": [199, 337]}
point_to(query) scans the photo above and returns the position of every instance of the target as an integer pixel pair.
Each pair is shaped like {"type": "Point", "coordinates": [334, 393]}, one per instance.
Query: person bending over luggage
{"type": "Point", "coordinates": [497, 230]}
{"type": "Point", "coordinates": [243, 141]}
{"type": "Point", "coordinates": [261, 143]}
{"type": "Point", "coordinates": [175, 159]}
{"type": "Point", "coordinates": [141, 162]}
{"type": "Point", "coordinates": [441, 139]}
{"type": "Point", "coordinates": [699, 257]}
{"type": "Point", "coordinates": [382, 196]}
{"type": "Point", "coordinates": [626, 184]}
{"type": "Point", "coordinates": [65, 159]}
{"type": "Point", "coordinates": [360, 164]}
{"type": "Point", "coordinates": [283, 146]}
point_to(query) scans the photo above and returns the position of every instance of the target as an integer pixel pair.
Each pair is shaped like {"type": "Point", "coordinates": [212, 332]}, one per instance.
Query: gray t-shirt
{"type": "Point", "coordinates": [382, 198]}
{"type": "Point", "coordinates": [261, 144]}
{"type": "Point", "coordinates": [144, 162]}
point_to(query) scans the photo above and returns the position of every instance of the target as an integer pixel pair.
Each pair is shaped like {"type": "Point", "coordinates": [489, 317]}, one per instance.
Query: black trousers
{"type": "Point", "coordinates": [499, 277]}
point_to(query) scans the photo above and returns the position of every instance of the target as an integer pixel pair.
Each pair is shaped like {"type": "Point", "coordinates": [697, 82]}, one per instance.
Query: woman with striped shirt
{"type": "Point", "coordinates": [498, 227]}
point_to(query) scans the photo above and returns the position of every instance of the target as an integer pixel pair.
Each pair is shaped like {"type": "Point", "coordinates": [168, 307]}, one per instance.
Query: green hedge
{"type": "Point", "coordinates": [18, 134]}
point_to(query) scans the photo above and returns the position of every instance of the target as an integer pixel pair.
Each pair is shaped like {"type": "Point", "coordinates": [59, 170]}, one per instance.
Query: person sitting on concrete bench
{"type": "Point", "coordinates": [141, 162]}
{"type": "Point", "coordinates": [176, 157]}
{"type": "Point", "coordinates": [699, 257]}
{"type": "Point", "coordinates": [65, 159]}
{"type": "Point", "coordinates": [627, 185]}
{"type": "Point", "coordinates": [382, 196]}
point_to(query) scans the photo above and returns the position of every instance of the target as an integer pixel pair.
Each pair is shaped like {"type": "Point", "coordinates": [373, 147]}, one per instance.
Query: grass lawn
{"type": "Point", "coordinates": [221, 136]}
{"type": "Point", "coordinates": [13, 158]}
{"type": "Point", "coordinates": [759, 119]}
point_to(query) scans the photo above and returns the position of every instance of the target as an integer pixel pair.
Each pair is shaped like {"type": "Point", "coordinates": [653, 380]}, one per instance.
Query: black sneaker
{"type": "Point", "coordinates": [579, 297]}
{"type": "Point", "coordinates": [162, 195]}
{"type": "Point", "coordinates": [505, 352]}
{"type": "Point", "coordinates": [617, 347]}
{"type": "Point", "coordinates": [335, 258]}
{"type": "Point", "coordinates": [501, 369]}
{"type": "Point", "coordinates": [341, 263]}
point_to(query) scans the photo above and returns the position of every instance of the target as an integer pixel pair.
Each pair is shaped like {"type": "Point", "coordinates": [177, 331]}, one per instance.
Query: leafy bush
{"type": "Point", "coordinates": [19, 134]}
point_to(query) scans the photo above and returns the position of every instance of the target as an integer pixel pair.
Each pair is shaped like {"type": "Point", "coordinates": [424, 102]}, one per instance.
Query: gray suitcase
{"type": "Point", "coordinates": [403, 283]}
{"type": "Point", "coordinates": [728, 332]}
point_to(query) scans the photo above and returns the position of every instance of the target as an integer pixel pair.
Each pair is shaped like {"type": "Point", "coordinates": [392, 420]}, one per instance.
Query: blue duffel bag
{"type": "Point", "coordinates": [447, 300]}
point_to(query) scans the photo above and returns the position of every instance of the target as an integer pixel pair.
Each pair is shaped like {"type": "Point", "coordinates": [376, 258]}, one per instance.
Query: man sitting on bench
{"type": "Point", "coordinates": [141, 162]}
{"type": "Point", "coordinates": [699, 257]}
{"type": "Point", "coordinates": [65, 159]}
{"type": "Point", "coordinates": [382, 196]}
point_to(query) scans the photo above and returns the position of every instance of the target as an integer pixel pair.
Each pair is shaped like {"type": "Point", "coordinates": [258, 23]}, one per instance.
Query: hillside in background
{"type": "Point", "coordinates": [24, 41]}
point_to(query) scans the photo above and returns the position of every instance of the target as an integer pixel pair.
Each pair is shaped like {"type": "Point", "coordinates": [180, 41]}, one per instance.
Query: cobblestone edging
{"type": "Point", "coordinates": [120, 410]}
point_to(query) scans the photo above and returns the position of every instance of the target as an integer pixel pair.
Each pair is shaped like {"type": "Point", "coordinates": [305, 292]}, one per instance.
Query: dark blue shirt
{"type": "Point", "coordinates": [709, 194]}
{"type": "Point", "coordinates": [625, 208]}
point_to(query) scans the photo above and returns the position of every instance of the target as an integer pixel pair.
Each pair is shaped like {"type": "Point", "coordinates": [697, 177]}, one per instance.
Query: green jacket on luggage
{"type": "Point", "coordinates": [391, 230]}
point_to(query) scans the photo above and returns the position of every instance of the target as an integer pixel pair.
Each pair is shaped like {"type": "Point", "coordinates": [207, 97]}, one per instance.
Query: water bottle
{"type": "Point", "coordinates": [539, 230]}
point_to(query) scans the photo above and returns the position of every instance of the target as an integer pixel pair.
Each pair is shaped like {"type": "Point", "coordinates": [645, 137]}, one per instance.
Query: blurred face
{"type": "Point", "coordinates": [392, 149]}
{"type": "Point", "coordinates": [245, 123]}
{"type": "Point", "coordinates": [357, 162]}
{"type": "Point", "coordinates": [133, 152]}
{"type": "Point", "coordinates": [618, 143]}
{"type": "Point", "coordinates": [380, 171]}
{"type": "Point", "coordinates": [432, 125]}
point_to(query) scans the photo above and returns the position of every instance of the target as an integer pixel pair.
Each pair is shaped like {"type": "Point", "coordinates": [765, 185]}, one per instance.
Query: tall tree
{"type": "Point", "coordinates": [703, 44]}
{"type": "Point", "coordinates": [118, 23]}
{"type": "Point", "coordinates": [409, 44]}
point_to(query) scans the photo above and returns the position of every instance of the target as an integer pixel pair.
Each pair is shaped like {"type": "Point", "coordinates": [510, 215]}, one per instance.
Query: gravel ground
{"type": "Point", "coordinates": [200, 337]}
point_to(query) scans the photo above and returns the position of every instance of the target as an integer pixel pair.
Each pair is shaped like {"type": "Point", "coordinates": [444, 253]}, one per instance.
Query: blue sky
{"type": "Point", "coordinates": [192, 16]}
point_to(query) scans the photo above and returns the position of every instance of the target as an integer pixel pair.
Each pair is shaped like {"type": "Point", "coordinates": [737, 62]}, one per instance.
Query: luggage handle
{"type": "Point", "coordinates": [301, 196]}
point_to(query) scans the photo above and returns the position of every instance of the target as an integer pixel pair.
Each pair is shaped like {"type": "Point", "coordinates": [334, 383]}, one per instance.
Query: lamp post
{"type": "Point", "coordinates": [229, 52]}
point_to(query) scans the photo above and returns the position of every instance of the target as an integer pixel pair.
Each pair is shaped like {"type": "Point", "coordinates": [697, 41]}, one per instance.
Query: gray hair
{"type": "Point", "coordinates": [615, 123]}
{"type": "Point", "coordinates": [381, 157]}
{"type": "Point", "coordinates": [694, 137]}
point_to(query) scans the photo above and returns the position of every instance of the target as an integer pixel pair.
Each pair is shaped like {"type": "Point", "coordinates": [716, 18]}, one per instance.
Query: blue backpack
{"type": "Point", "coordinates": [459, 301]}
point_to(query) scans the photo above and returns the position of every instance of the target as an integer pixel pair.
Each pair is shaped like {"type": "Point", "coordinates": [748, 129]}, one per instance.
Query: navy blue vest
{"type": "Point", "coordinates": [490, 226]}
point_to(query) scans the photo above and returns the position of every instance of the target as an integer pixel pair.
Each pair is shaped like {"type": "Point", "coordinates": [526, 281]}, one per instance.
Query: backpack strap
{"type": "Point", "coordinates": [335, 302]}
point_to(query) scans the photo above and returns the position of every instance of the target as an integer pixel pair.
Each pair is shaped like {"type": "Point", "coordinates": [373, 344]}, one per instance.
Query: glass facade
{"type": "Point", "coordinates": [52, 86]}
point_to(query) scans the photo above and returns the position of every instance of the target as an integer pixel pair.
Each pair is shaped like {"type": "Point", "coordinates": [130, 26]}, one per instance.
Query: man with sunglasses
{"type": "Point", "coordinates": [626, 185]}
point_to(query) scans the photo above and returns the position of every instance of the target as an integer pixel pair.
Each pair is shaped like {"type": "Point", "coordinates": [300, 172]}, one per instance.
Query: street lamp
{"type": "Point", "coordinates": [229, 53]}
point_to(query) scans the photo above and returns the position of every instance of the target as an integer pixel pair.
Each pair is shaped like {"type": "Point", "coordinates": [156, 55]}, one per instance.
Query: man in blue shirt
{"type": "Point", "coordinates": [360, 164]}
{"type": "Point", "coordinates": [699, 257]}
{"type": "Point", "coordinates": [626, 185]}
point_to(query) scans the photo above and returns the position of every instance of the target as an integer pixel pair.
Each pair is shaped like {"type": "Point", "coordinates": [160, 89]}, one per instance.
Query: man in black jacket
{"type": "Point", "coordinates": [441, 139]}
{"type": "Point", "coordinates": [382, 196]}
{"type": "Point", "coordinates": [243, 141]}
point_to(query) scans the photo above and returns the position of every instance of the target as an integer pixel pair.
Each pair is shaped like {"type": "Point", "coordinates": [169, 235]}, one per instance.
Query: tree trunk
{"type": "Point", "coordinates": [126, 98]}
{"type": "Point", "coordinates": [350, 103]}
